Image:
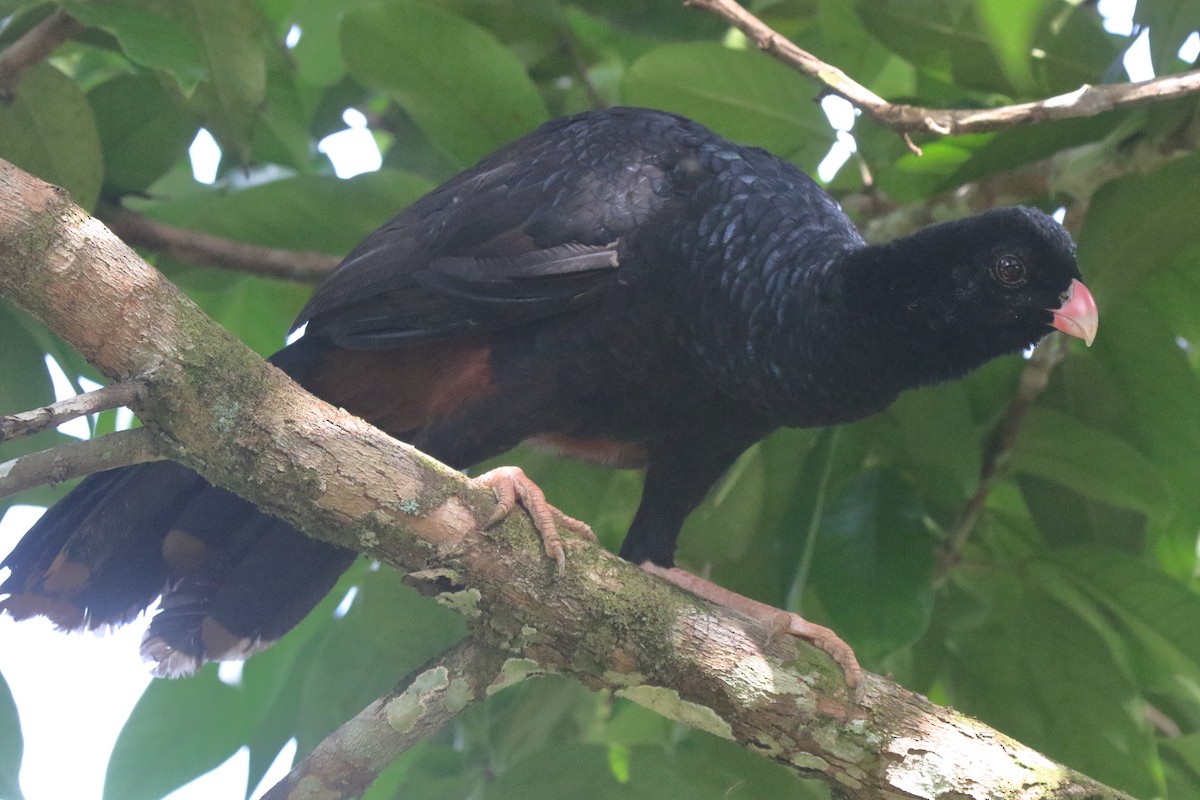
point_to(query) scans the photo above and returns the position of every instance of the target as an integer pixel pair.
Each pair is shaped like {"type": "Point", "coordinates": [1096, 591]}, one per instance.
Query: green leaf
{"type": "Point", "coordinates": [1158, 617]}
{"type": "Point", "coordinates": [743, 95]}
{"type": "Point", "coordinates": [1010, 26]}
{"type": "Point", "coordinates": [156, 754]}
{"type": "Point", "coordinates": [1170, 23]}
{"type": "Point", "coordinates": [1026, 664]}
{"type": "Point", "coordinates": [873, 565]}
{"type": "Point", "coordinates": [11, 745]}
{"type": "Point", "coordinates": [149, 36]}
{"type": "Point", "coordinates": [48, 130]}
{"type": "Point", "coordinates": [143, 131]}
{"type": "Point", "coordinates": [469, 104]}
{"type": "Point", "coordinates": [1094, 463]}
{"type": "Point", "coordinates": [389, 631]}
{"type": "Point", "coordinates": [1181, 756]}
{"type": "Point", "coordinates": [1157, 391]}
{"type": "Point", "coordinates": [233, 38]}
{"type": "Point", "coordinates": [26, 386]}
{"type": "Point", "coordinates": [1120, 244]}
{"type": "Point", "coordinates": [308, 213]}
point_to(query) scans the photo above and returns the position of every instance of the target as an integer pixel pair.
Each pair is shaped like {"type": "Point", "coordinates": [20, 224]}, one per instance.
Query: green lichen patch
{"type": "Point", "coordinates": [404, 711]}
{"type": "Point", "coordinates": [465, 602]}
{"type": "Point", "coordinates": [458, 695]}
{"type": "Point", "coordinates": [668, 703]}
{"type": "Point", "coordinates": [513, 671]}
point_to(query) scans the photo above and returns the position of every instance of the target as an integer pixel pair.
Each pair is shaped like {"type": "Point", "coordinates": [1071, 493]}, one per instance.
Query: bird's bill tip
{"type": "Point", "coordinates": [1078, 316]}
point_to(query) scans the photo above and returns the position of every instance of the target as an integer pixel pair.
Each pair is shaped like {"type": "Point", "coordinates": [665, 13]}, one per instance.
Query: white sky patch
{"type": "Point", "coordinates": [352, 151]}
{"type": "Point", "coordinates": [293, 37]}
{"type": "Point", "coordinates": [1137, 58]}
{"type": "Point", "coordinates": [1117, 16]}
{"type": "Point", "coordinates": [1191, 49]}
{"type": "Point", "coordinates": [63, 390]}
{"type": "Point", "coordinates": [841, 115]}
{"type": "Point", "coordinates": [205, 154]}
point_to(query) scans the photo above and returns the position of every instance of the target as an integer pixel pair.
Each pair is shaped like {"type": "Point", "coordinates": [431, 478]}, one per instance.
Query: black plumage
{"type": "Point", "coordinates": [624, 286]}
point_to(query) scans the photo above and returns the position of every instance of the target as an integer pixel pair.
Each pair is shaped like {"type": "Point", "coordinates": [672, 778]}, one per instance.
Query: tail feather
{"type": "Point", "coordinates": [232, 579]}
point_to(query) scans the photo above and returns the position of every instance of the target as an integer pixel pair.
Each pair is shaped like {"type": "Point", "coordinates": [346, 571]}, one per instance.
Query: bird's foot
{"type": "Point", "coordinates": [779, 620]}
{"type": "Point", "coordinates": [513, 487]}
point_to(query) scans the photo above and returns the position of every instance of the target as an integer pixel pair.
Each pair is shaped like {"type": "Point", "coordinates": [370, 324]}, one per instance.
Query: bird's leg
{"type": "Point", "coordinates": [787, 622]}
{"type": "Point", "coordinates": [513, 487]}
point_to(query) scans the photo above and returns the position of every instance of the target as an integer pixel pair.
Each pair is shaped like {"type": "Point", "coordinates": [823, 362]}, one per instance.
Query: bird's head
{"type": "Point", "coordinates": [994, 283]}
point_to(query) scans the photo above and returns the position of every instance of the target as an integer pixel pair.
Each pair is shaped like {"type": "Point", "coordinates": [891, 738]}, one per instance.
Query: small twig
{"type": "Point", "coordinates": [570, 47]}
{"type": "Point", "coordinates": [27, 423]}
{"type": "Point", "coordinates": [1087, 101]}
{"type": "Point", "coordinates": [213, 251]}
{"type": "Point", "coordinates": [1034, 379]}
{"type": "Point", "coordinates": [349, 760]}
{"type": "Point", "coordinates": [33, 48]}
{"type": "Point", "coordinates": [883, 220]}
{"type": "Point", "coordinates": [72, 460]}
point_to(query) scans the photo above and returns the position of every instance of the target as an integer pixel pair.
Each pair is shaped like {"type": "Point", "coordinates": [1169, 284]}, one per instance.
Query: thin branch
{"type": "Point", "coordinates": [1034, 379]}
{"type": "Point", "coordinates": [566, 40]}
{"type": "Point", "coordinates": [349, 760]}
{"type": "Point", "coordinates": [1061, 175]}
{"type": "Point", "coordinates": [76, 459]}
{"type": "Point", "coordinates": [1086, 101]}
{"type": "Point", "coordinates": [33, 48]}
{"type": "Point", "coordinates": [27, 423]}
{"type": "Point", "coordinates": [213, 251]}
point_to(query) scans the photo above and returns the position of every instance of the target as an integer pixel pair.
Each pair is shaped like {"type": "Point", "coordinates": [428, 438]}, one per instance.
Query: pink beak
{"type": "Point", "coordinates": [1077, 316]}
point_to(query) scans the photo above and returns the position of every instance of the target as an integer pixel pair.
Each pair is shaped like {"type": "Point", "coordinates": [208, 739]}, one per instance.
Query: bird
{"type": "Point", "coordinates": [622, 286]}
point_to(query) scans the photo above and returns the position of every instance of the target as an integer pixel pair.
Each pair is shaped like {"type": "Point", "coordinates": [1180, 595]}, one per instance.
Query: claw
{"type": "Point", "coordinates": [778, 621]}
{"type": "Point", "coordinates": [512, 487]}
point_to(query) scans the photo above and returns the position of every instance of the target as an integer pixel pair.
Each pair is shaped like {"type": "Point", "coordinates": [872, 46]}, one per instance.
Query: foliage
{"type": "Point", "coordinates": [1069, 622]}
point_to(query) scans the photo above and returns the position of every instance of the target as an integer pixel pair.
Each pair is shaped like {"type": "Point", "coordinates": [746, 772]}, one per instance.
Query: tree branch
{"type": "Point", "coordinates": [351, 758]}
{"type": "Point", "coordinates": [27, 423]}
{"type": "Point", "coordinates": [213, 251]}
{"type": "Point", "coordinates": [76, 459]}
{"type": "Point", "coordinates": [1076, 173]}
{"type": "Point", "coordinates": [243, 425]}
{"type": "Point", "coordinates": [33, 48]}
{"type": "Point", "coordinates": [1086, 101]}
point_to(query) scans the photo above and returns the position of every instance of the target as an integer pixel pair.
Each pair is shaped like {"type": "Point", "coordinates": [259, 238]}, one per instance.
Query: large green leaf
{"type": "Point", "coordinates": [1022, 661]}
{"type": "Point", "coordinates": [469, 104]}
{"type": "Point", "coordinates": [11, 745]}
{"type": "Point", "coordinates": [155, 753]}
{"type": "Point", "coordinates": [874, 560]}
{"type": "Point", "coordinates": [143, 131]}
{"type": "Point", "coordinates": [1136, 225]}
{"type": "Point", "coordinates": [233, 38]}
{"type": "Point", "coordinates": [1170, 23]}
{"type": "Point", "coordinates": [744, 95]}
{"type": "Point", "coordinates": [1158, 614]}
{"type": "Point", "coordinates": [26, 386]}
{"type": "Point", "coordinates": [1010, 26]}
{"type": "Point", "coordinates": [47, 129]}
{"type": "Point", "coordinates": [1094, 463]}
{"type": "Point", "coordinates": [309, 213]}
{"type": "Point", "coordinates": [149, 36]}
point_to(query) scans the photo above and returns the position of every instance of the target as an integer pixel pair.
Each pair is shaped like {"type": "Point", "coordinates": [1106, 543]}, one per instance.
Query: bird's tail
{"type": "Point", "coordinates": [232, 579]}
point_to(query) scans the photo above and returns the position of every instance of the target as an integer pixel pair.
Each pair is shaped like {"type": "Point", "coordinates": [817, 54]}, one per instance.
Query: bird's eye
{"type": "Point", "coordinates": [1010, 270]}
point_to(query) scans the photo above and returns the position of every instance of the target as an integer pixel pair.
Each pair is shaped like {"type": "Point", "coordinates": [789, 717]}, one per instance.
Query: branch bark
{"type": "Point", "coordinates": [212, 251]}
{"type": "Point", "coordinates": [33, 48]}
{"type": "Point", "coordinates": [76, 459]}
{"type": "Point", "coordinates": [27, 423]}
{"type": "Point", "coordinates": [1086, 101]}
{"type": "Point", "coordinates": [242, 424]}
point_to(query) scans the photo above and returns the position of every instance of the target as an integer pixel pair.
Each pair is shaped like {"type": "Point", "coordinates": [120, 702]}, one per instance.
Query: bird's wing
{"type": "Point", "coordinates": [532, 231]}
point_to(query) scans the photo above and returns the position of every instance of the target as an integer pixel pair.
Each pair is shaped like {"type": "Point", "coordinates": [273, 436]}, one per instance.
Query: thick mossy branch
{"type": "Point", "coordinates": [244, 425]}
